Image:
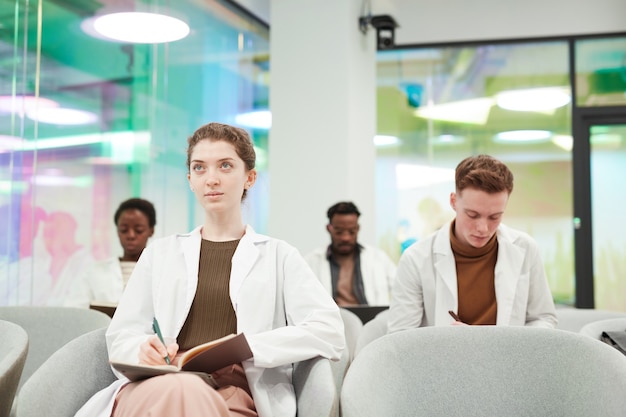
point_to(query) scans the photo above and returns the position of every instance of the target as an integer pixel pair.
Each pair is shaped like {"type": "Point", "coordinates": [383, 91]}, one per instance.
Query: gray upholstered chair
{"type": "Point", "coordinates": [574, 319]}
{"type": "Point", "coordinates": [83, 367]}
{"type": "Point", "coordinates": [13, 350]}
{"type": "Point", "coordinates": [595, 328]}
{"type": "Point", "coordinates": [316, 392]}
{"type": "Point", "coordinates": [352, 328]}
{"type": "Point", "coordinates": [67, 379]}
{"type": "Point", "coordinates": [372, 330]}
{"type": "Point", "coordinates": [49, 328]}
{"type": "Point", "coordinates": [485, 371]}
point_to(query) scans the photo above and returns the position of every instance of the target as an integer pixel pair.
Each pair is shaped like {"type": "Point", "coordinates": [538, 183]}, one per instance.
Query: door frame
{"type": "Point", "coordinates": [582, 120]}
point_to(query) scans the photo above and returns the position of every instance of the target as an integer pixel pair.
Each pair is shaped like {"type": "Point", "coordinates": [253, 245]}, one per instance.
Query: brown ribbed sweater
{"type": "Point", "coordinates": [475, 280]}
{"type": "Point", "coordinates": [212, 315]}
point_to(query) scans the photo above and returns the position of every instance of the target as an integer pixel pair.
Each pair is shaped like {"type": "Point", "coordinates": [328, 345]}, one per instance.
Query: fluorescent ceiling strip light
{"type": "Point", "coordinates": [61, 181]}
{"type": "Point", "coordinates": [62, 142]}
{"type": "Point", "coordinates": [447, 139]}
{"type": "Point", "coordinates": [62, 116]}
{"type": "Point", "coordinates": [69, 141]}
{"type": "Point", "coordinates": [8, 143]}
{"type": "Point", "coordinates": [472, 111]}
{"type": "Point", "coordinates": [259, 119]}
{"type": "Point", "coordinates": [13, 187]}
{"type": "Point", "coordinates": [410, 176]}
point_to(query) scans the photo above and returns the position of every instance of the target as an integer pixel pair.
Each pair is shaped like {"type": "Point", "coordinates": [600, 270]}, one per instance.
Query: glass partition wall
{"type": "Point", "coordinates": [88, 120]}
{"type": "Point", "coordinates": [600, 116]}
{"type": "Point", "coordinates": [512, 100]}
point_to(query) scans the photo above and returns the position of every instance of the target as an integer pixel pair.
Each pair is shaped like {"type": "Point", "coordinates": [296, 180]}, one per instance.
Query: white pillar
{"type": "Point", "coordinates": [323, 104]}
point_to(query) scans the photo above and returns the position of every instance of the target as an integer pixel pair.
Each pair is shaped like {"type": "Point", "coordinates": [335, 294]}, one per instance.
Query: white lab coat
{"type": "Point", "coordinates": [377, 270]}
{"type": "Point", "coordinates": [426, 283]}
{"type": "Point", "coordinates": [103, 281]}
{"type": "Point", "coordinates": [282, 309]}
{"type": "Point", "coordinates": [74, 268]}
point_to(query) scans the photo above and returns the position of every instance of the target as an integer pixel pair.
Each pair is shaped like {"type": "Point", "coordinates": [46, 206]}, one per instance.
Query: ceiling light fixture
{"type": "Point", "coordinates": [258, 119]}
{"type": "Point", "coordinates": [24, 104]}
{"type": "Point", "coordinates": [137, 138]}
{"type": "Point", "coordinates": [473, 111]}
{"type": "Point", "coordinates": [136, 27]}
{"type": "Point", "coordinates": [9, 143]}
{"type": "Point", "coordinates": [386, 140]}
{"type": "Point", "coordinates": [565, 142]}
{"type": "Point", "coordinates": [523, 136]}
{"type": "Point", "coordinates": [534, 99]}
{"type": "Point", "coordinates": [447, 139]}
{"type": "Point", "coordinates": [61, 181]}
{"type": "Point", "coordinates": [62, 116]}
{"type": "Point", "coordinates": [416, 176]}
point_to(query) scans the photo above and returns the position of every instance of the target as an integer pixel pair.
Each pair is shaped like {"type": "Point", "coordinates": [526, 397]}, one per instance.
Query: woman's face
{"type": "Point", "coordinates": [218, 176]}
{"type": "Point", "coordinates": [133, 230]}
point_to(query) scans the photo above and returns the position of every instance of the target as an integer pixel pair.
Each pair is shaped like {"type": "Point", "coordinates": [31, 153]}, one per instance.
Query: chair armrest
{"type": "Point", "coordinates": [316, 392]}
{"type": "Point", "coordinates": [67, 379]}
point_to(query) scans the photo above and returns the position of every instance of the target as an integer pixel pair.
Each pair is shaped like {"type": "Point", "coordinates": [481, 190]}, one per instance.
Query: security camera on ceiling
{"type": "Point", "coordinates": [385, 26]}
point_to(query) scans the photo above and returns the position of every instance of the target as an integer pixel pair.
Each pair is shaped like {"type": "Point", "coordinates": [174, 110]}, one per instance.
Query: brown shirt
{"type": "Point", "coordinates": [211, 315]}
{"type": "Point", "coordinates": [475, 271]}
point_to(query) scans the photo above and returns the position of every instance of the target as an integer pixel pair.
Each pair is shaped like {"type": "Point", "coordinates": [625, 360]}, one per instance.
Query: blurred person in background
{"type": "Point", "coordinates": [105, 280]}
{"type": "Point", "coordinates": [68, 259]}
{"type": "Point", "coordinates": [353, 273]}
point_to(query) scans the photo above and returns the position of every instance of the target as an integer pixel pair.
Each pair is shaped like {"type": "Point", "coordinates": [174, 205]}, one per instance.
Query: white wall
{"type": "Point", "coordinates": [323, 103]}
{"type": "Point", "coordinates": [260, 8]}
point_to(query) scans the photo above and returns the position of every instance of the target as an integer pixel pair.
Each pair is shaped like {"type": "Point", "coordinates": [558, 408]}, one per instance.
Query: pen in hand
{"type": "Point", "coordinates": [454, 316]}
{"type": "Point", "coordinates": [157, 330]}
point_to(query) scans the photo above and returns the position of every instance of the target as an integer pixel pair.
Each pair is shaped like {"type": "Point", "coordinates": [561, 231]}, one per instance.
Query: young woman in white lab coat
{"type": "Point", "coordinates": [280, 306]}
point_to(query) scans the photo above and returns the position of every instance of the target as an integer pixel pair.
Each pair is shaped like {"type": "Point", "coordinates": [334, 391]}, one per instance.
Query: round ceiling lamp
{"type": "Point", "coordinates": [386, 140]}
{"type": "Point", "coordinates": [533, 99]}
{"type": "Point", "coordinates": [523, 136]}
{"type": "Point", "coordinates": [136, 27]}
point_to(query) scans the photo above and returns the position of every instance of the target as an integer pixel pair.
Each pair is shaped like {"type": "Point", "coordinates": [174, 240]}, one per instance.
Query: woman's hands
{"type": "Point", "coordinates": [152, 351]}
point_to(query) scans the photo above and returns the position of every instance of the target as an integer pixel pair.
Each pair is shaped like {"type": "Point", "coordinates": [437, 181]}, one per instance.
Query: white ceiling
{"type": "Point", "coordinates": [259, 8]}
{"type": "Point", "coordinates": [436, 21]}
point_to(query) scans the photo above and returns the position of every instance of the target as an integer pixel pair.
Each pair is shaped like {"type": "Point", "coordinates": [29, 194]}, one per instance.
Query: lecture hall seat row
{"type": "Point", "coordinates": [491, 371]}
